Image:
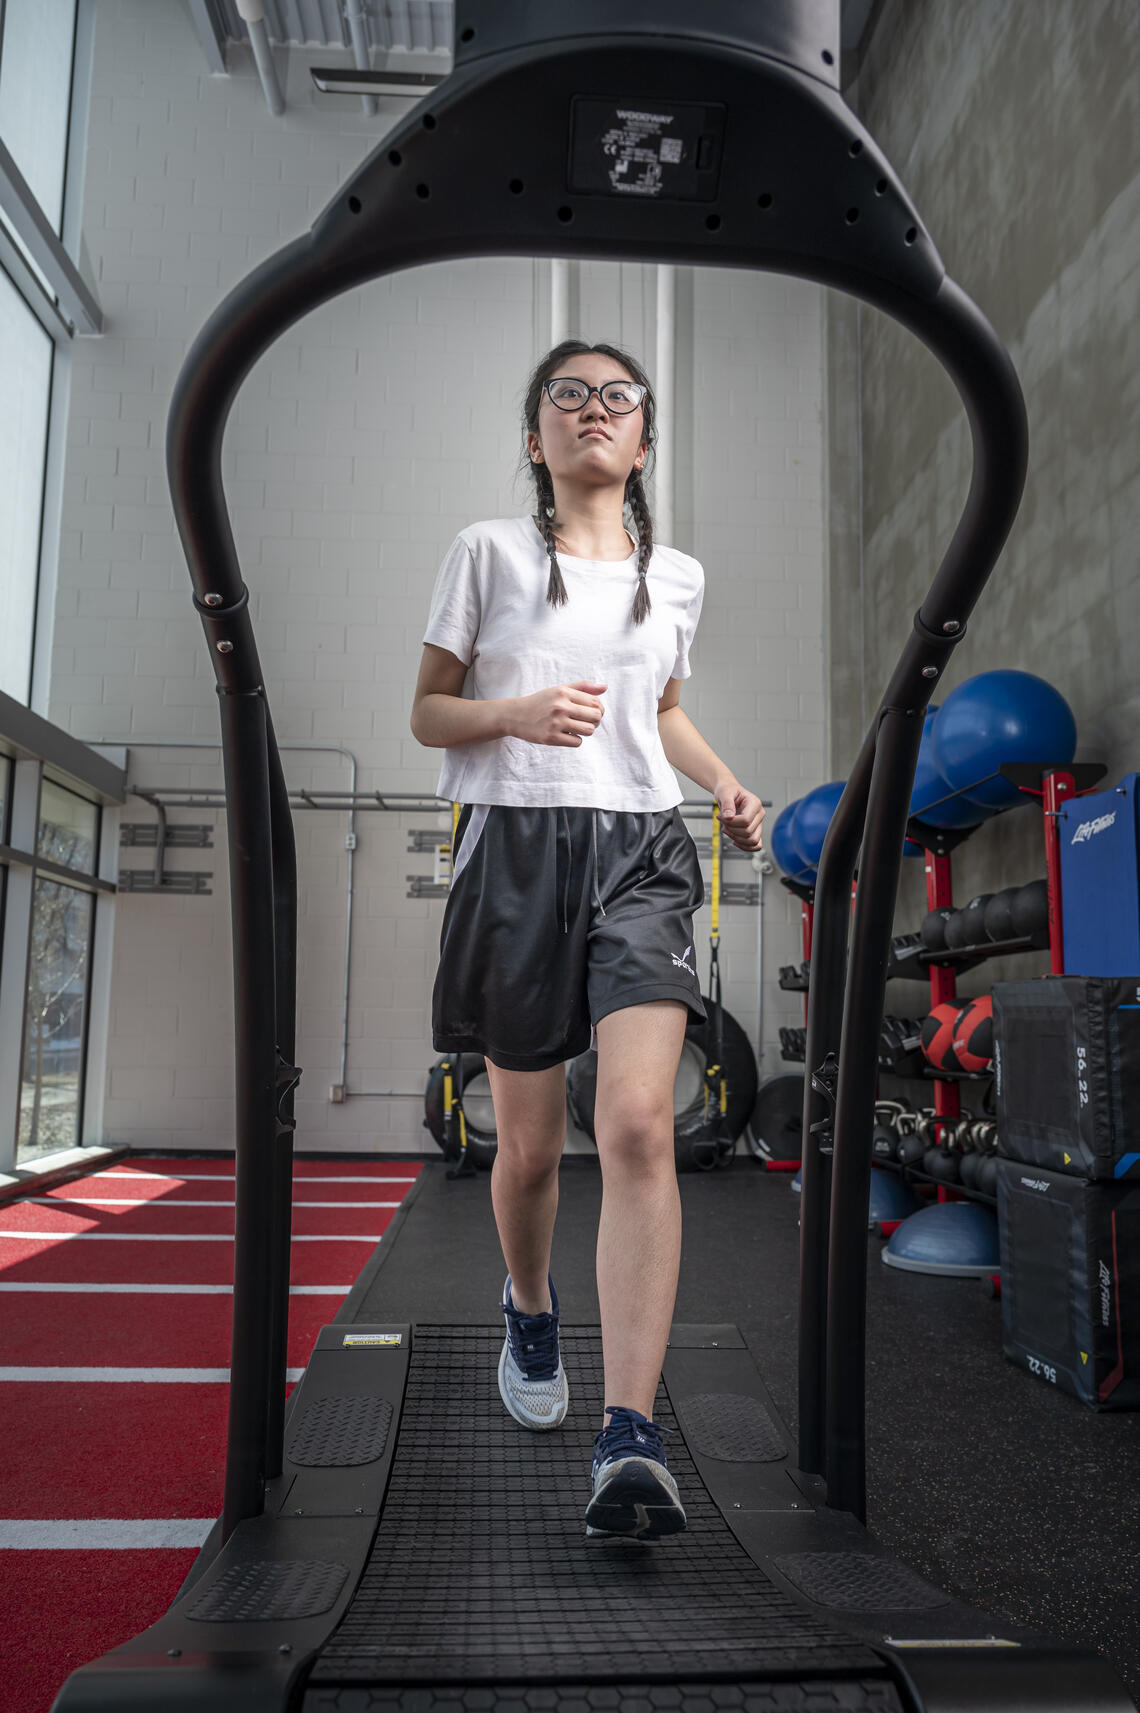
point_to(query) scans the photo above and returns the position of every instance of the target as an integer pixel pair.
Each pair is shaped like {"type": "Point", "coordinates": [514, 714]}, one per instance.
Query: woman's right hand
{"type": "Point", "coordinates": [562, 716]}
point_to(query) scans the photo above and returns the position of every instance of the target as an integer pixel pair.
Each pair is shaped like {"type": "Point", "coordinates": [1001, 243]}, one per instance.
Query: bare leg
{"type": "Point", "coordinates": [639, 1235]}
{"type": "Point", "coordinates": [530, 1121]}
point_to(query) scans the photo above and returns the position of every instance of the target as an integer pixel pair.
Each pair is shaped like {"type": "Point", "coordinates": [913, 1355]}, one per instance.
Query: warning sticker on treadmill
{"type": "Point", "coordinates": [372, 1338]}
{"type": "Point", "coordinates": [667, 150]}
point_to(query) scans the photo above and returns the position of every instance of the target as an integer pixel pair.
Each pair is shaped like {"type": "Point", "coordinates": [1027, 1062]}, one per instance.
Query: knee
{"type": "Point", "coordinates": [530, 1162]}
{"type": "Point", "coordinates": [636, 1137]}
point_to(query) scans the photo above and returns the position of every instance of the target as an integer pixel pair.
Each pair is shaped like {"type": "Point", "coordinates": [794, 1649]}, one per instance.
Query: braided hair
{"type": "Point", "coordinates": [635, 499]}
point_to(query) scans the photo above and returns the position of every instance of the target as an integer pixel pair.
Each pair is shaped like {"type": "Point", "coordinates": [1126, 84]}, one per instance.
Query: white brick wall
{"type": "Point", "coordinates": [357, 447]}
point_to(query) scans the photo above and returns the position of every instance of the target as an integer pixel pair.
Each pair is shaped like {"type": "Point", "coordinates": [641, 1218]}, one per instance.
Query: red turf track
{"type": "Point", "coordinates": [114, 1450]}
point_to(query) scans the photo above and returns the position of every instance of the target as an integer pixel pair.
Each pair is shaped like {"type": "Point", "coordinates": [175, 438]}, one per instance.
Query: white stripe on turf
{"type": "Point", "coordinates": [170, 1237]}
{"type": "Point", "coordinates": [175, 1290]}
{"type": "Point", "coordinates": [97, 1535]}
{"type": "Point", "coordinates": [165, 1206]}
{"type": "Point", "coordinates": [228, 1177]}
{"type": "Point", "coordinates": [133, 1376]}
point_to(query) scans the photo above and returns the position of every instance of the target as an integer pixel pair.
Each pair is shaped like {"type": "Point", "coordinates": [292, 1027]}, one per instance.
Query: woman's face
{"type": "Point", "coordinates": [591, 445]}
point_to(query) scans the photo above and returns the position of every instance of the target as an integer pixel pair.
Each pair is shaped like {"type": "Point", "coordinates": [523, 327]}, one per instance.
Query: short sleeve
{"type": "Point", "coordinates": [453, 621]}
{"type": "Point", "coordinates": [687, 630]}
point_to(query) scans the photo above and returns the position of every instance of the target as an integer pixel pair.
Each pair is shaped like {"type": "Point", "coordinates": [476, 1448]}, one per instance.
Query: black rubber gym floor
{"type": "Point", "coordinates": [998, 1489]}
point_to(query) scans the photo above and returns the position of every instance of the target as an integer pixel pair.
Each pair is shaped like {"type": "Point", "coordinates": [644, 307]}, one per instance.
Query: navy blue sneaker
{"type": "Point", "coordinates": [532, 1382]}
{"type": "Point", "coordinates": [634, 1493]}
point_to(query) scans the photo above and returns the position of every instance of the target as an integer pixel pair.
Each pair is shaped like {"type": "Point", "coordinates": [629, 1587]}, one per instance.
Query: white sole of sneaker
{"type": "Point", "coordinates": [537, 1423]}
{"type": "Point", "coordinates": [638, 1500]}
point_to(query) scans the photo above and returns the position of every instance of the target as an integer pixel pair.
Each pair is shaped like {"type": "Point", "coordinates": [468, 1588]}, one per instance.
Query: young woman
{"type": "Point", "coordinates": [575, 883]}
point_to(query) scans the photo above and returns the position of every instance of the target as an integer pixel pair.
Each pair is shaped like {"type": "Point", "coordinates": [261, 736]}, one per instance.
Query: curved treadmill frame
{"type": "Point", "coordinates": [506, 158]}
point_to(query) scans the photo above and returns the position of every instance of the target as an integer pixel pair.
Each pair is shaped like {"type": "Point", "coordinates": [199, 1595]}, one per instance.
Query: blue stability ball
{"type": "Point", "coordinates": [778, 838]}
{"type": "Point", "coordinates": [1000, 717]}
{"type": "Point", "coordinates": [958, 1238]}
{"type": "Point", "coordinates": [813, 817]}
{"type": "Point", "coordinates": [930, 787]}
{"type": "Point", "coordinates": [889, 1197]}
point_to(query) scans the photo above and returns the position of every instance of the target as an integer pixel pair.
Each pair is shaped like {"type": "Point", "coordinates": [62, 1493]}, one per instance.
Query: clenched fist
{"type": "Point", "coordinates": [562, 716]}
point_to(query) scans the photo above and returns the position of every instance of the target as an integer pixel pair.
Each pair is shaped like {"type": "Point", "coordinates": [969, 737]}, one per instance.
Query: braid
{"type": "Point", "coordinates": [639, 506]}
{"type": "Point", "coordinates": [544, 482]}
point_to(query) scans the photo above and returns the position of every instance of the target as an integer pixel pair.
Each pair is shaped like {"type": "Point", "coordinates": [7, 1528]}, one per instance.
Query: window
{"type": "Point", "coordinates": [68, 828]}
{"type": "Point", "coordinates": [37, 42]}
{"type": "Point", "coordinates": [26, 354]}
{"type": "Point", "coordinates": [54, 1019]}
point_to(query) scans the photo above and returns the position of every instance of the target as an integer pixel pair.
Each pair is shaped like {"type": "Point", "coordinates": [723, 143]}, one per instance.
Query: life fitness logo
{"type": "Point", "coordinates": [1089, 829]}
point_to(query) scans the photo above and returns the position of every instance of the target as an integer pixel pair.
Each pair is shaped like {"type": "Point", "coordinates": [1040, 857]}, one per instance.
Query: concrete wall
{"type": "Point", "coordinates": [1016, 128]}
{"type": "Point", "coordinates": [358, 446]}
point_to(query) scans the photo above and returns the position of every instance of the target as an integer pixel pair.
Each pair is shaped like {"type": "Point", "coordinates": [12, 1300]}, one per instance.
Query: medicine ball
{"type": "Point", "coordinates": [956, 931]}
{"type": "Point", "coordinates": [938, 1036]}
{"type": "Point", "coordinates": [974, 919]}
{"type": "Point", "coordinates": [974, 1034]}
{"type": "Point", "coordinates": [997, 921]}
{"type": "Point", "coordinates": [1029, 912]}
{"type": "Point", "coordinates": [997, 717]}
{"type": "Point", "coordinates": [934, 928]}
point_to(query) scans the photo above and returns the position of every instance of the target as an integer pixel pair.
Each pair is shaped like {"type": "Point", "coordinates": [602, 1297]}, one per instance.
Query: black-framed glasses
{"type": "Point", "coordinates": [568, 393]}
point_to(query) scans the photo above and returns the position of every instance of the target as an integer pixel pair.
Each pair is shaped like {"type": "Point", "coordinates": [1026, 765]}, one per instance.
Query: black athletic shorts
{"type": "Point", "coordinates": [555, 918]}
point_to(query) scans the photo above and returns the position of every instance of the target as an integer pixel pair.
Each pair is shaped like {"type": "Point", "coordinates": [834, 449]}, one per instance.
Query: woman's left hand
{"type": "Point", "coordinates": [741, 815]}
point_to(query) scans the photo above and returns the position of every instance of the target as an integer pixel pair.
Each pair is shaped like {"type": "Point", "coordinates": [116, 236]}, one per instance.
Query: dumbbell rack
{"type": "Point", "coordinates": [1054, 786]}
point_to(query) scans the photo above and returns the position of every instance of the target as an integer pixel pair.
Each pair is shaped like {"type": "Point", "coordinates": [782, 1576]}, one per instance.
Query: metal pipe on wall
{"type": "Point", "coordinates": [665, 387]}
{"type": "Point", "coordinates": [252, 14]}
{"type": "Point", "coordinates": [356, 19]}
{"type": "Point", "coordinates": [559, 300]}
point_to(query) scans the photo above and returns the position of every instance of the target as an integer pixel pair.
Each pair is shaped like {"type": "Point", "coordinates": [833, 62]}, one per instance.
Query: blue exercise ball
{"type": "Point", "coordinates": [813, 817]}
{"type": "Point", "coordinates": [930, 787]}
{"type": "Point", "coordinates": [998, 717]}
{"type": "Point", "coordinates": [778, 838]}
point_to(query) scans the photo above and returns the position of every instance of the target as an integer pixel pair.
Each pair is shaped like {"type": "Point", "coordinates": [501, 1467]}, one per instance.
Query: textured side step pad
{"type": "Point", "coordinates": [340, 1433]}
{"type": "Point", "coordinates": [859, 1582]}
{"type": "Point", "coordinates": [259, 1590]}
{"type": "Point", "coordinates": [730, 1427]}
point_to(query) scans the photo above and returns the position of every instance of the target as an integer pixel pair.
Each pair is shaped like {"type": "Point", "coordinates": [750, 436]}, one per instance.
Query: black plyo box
{"type": "Point", "coordinates": [1070, 1282]}
{"type": "Point", "coordinates": [1067, 1074]}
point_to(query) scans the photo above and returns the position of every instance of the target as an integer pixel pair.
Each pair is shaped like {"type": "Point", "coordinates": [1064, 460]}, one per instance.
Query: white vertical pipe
{"type": "Point", "coordinates": [252, 13]}
{"type": "Point", "coordinates": [355, 16]}
{"type": "Point", "coordinates": [665, 389]}
{"type": "Point", "coordinates": [559, 300]}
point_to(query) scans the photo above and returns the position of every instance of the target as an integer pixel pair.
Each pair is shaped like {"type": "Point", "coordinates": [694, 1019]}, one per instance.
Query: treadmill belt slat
{"type": "Point", "coordinates": [481, 1572]}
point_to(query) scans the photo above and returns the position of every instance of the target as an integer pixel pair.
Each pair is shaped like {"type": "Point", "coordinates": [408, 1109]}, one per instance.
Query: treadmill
{"type": "Point", "coordinates": [391, 1540]}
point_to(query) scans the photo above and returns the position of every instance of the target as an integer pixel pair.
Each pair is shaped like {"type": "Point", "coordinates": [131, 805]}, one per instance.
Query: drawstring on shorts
{"type": "Point", "coordinates": [597, 894]}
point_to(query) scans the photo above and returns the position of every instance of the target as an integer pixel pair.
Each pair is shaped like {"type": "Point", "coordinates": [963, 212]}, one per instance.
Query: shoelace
{"type": "Point", "coordinates": [630, 1434]}
{"type": "Point", "coordinates": [534, 1342]}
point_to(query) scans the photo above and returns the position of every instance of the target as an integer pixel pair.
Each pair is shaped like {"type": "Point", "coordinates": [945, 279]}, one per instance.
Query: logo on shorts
{"type": "Point", "coordinates": [680, 961]}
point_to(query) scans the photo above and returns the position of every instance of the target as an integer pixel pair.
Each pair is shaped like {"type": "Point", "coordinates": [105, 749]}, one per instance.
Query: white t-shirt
{"type": "Point", "coordinates": [489, 609]}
